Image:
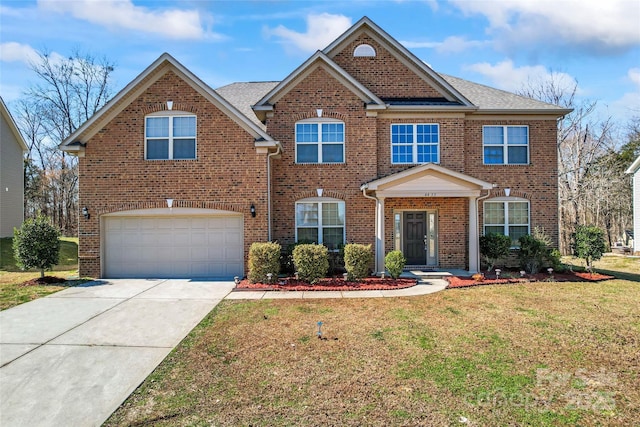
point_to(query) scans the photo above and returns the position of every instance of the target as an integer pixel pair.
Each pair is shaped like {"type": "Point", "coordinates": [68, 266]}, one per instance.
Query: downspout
{"type": "Point", "coordinates": [269, 156]}
{"type": "Point", "coordinates": [364, 193]}
{"type": "Point", "coordinates": [478, 213]}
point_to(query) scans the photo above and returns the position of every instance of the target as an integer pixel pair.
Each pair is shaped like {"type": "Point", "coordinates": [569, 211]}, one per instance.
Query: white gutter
{"type": "Point", "coordinates": [269, 156]}
{"type": "Point", "coordinates": [378, 246]}
{"type": "Point", "coordinates": [477, 213]}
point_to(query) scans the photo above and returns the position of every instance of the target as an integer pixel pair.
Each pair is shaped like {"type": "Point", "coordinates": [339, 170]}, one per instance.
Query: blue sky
{"type": "Point", "coordinates": [500, 43]}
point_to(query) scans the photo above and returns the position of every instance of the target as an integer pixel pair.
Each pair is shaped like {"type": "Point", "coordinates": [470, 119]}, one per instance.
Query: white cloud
{"type": "Point", "coordinates": [17, 52]}
{"type": "Point", "coordinates": [118, 14]}
{"type": "Point", "coordinates": [504, 75]}
{"type": "Point", "coordinates": [603, 27]}
{"type": "Point", "coordinates": [322, 29]}
{"type": "Point", "coordinates": [634, 76]}
{"type": "Point", "coordinates": [453, 44]}
{"type": "Point", "coordinates": [628, 105]}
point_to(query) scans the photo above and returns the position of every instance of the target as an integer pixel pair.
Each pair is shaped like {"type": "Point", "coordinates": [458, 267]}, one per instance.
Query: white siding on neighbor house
{"type": "Point", "coordinates": [636, 211]}
{"type": "Point", "coordinates": [11, 180]}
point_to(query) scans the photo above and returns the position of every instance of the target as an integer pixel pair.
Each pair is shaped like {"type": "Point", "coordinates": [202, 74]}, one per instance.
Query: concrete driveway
{"type": "Point", "coordinates": [70, 359]}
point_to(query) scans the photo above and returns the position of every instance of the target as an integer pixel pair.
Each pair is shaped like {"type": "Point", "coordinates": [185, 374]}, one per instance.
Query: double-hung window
{"type": "Point", "coordinates": [510, 218]}
{"type": "Point", "coordinates": [170, 137]}
{"type": "Point", "coordinates": [505, 145]}
{"type": "Point", "coordinates": [415, 143]}
{"type": "Point", "coordinates": [320, 221]}
{"type": "Point", "coordinates": [320, 141]}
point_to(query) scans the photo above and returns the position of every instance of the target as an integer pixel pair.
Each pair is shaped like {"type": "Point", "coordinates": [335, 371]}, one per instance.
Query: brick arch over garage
{"type": "Point", "coordinates": [194, 204]}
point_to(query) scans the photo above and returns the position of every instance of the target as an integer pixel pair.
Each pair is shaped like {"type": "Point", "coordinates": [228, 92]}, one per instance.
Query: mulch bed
{"type": "Point", "coordinates": [465, 282]}
{"type": "Point", "coordinates": [328, 284]}
{"type": "Point", "coordinates": [44, 281]}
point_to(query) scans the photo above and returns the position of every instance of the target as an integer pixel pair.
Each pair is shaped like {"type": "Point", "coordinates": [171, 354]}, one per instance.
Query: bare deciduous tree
{"type": "Point", "coordinates": [67, 92]}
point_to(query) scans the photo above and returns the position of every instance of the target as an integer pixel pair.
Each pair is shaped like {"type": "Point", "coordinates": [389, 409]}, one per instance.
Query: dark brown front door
{"type": "Point", "coordinates": [415, 233]}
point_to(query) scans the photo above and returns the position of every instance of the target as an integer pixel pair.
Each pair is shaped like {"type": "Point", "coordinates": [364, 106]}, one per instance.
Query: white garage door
{"type": "Point", "coordinates": [174, 247]}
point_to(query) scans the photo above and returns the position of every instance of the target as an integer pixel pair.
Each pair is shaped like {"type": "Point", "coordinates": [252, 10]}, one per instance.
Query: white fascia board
{"type": "Point", "coordinates": [634, 166]}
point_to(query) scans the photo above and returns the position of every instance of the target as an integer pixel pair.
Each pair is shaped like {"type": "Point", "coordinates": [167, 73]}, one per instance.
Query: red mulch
{"type": "Point", "coordinates": [329, 284]}
{"type": "Point", "coordinates": [463, 282]}
{"type": "Point", "coordinates": [43, 281]}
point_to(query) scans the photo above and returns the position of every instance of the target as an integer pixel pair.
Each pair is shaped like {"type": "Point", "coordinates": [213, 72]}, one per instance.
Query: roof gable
{"type": "Point", "coordinates": [635, 166]}
{"type": "Point", "coordinates": [367, 28]}
{"type": "Point", "coordinates": [429, 180]}
{"type": "Point", "coordinates": [318, 59]}
{"type": "Point", "coordinates": [164, 64]}
{"type": "Point", "coordinates": [7, 117]}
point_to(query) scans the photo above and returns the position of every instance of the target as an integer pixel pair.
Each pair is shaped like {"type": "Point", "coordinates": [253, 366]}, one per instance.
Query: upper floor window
{"type": "Point", "coordinates": [505, 145]}
{"type": "Point", "coordinates": [320, 141]}
{"type": "Point", "coordinates": [170, 137]}
{"type": "Point", "coordinates": [415, 143]}
{"type": "Point", "coordinates": [320, 220]}
{"type": "Point", "coordinates": [510, 218]}
{"type": "Point", "coordinates": [364, 50]}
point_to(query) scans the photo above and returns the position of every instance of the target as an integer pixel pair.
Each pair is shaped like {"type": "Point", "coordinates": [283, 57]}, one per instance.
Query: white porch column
{"type": "Point", "coordinates": [474, 251]}
{"type": "Point", "coordinates": [380, 234]}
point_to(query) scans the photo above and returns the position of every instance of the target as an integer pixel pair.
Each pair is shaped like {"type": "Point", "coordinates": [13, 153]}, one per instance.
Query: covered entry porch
{"type": "Point", "coordinates": [430, 214]}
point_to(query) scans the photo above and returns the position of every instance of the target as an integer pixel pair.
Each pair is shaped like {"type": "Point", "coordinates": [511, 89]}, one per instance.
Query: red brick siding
{"type": "Point", "coordinates": [383, 74]}
{"type": "Point", "coordinates": [292, 182]}
{"type": "Point", "coordinates": [227, 175]}
{"type": "Point", "coordinates": [537, 182]}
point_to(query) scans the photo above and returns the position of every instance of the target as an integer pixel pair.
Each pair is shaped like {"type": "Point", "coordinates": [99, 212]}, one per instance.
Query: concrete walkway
{"type": "Point", "coordinates": [71, 358]}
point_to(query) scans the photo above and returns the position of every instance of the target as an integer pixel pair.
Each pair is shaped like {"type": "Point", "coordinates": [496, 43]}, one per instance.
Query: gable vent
{"type": "Point", "coordinates": [364, 50]}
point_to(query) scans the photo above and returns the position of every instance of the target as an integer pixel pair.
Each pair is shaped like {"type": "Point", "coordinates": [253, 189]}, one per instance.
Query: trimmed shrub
{"type": "Point", "coordinates": [36, 244]}
{"type": "Point", "coordinates": [534, 254]}
{"type": "Point", "coordinates": [494, 247]}
{"type": "Point", "coordinates": [589, 243]}
{"type": "Point", "coordinates": [357, 260]}
{"type": "Point", "coordinates": [311, 262]}
{"type": "Point", "coordinates": [394, 262]}
{"type": "Point", "coordinates": [264, 258]}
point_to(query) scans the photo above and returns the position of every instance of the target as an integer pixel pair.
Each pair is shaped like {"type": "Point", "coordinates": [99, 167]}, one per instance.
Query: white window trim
{"type": "Point", "coordinates": [319, 121]}
{"type": "Point", "coordinates": [414, 143]}
{"type": "Point", "coordinates": [319, 227]}
{"type": "Point", "coordinates": [505, 201]}
{"type": "Point", "coordinates": [170, 116]}
{"type": "Point", "coordinates": [505, 146]}
{"type": "Point", "coordinates": [364, 51]}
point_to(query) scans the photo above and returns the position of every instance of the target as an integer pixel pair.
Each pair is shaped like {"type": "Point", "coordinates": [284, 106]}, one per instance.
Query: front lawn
{"type": "Point", "coordinates": [13, 293]}
{"type": "Point", "coordinates": [532, 354]}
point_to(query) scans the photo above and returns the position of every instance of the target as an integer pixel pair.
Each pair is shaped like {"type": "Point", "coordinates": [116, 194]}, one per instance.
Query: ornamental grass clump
{"type": "Point", "coordinates": [357, 261]}
{"type": "Point", "coordinates": [264, 259]}
{"type": "Point", "coordinates": [394, 262]}
{"type": "Point", "coordinates": [311, 262]}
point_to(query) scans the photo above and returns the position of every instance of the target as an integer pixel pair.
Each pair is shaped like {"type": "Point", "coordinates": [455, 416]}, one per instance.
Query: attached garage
{"type": "Point", "coordinates": [173, 244]}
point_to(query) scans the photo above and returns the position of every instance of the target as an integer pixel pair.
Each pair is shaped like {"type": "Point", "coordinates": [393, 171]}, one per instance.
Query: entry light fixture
{"type": "Point", "coordinates": [85, 213]}
{"type": "Point", "coordinates": [252, 209]}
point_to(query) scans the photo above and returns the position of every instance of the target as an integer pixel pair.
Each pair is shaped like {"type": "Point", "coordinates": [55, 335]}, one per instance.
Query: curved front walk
{"type": "Point", "coordinates": [73, 357]}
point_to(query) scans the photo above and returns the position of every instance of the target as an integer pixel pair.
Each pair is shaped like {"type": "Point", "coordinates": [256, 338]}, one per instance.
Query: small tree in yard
{"type": "Point", "coordinates": [494, 247]}
{"type": "Point", "coordinates": [394, 263]}
{"type": "Point", "coordinates": [589, 243]}
{"type": "Point", "coordinates": [36, 244]}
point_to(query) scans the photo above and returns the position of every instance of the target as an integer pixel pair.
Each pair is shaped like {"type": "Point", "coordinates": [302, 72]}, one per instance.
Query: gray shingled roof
{"type": "Point", "coordinates": [245, 94]}
{"type": "Point", "coordinates": [488, 98]}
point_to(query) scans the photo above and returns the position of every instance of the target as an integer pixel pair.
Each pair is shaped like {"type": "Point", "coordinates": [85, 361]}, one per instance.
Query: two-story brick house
{"type": "Point", "coordinates": [362, 143]}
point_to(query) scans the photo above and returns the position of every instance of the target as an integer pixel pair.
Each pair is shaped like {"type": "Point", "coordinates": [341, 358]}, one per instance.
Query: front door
{"type": "Point", "coordinates": [419, 243]}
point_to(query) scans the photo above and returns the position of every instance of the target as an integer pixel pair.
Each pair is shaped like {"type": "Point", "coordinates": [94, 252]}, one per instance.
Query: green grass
{"type": "Point", "coordinates": [548, 354]}
{"type": "Point", "coordinates": [67, 260]}
{"type": "Point", "coordinates": [13, 293]}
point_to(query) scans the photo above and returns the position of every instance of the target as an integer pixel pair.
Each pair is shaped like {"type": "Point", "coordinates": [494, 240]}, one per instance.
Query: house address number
{"type": "Point", "coordinates": [430, 194]}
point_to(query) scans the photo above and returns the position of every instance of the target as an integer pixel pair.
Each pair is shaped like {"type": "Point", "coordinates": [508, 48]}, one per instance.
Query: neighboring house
{"type": "Point", "coordinates": [363, 143]}
{"type": "Point", "coordinates": [634, 169]}
{"type": "Point", "coordinates": [12, 149]}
